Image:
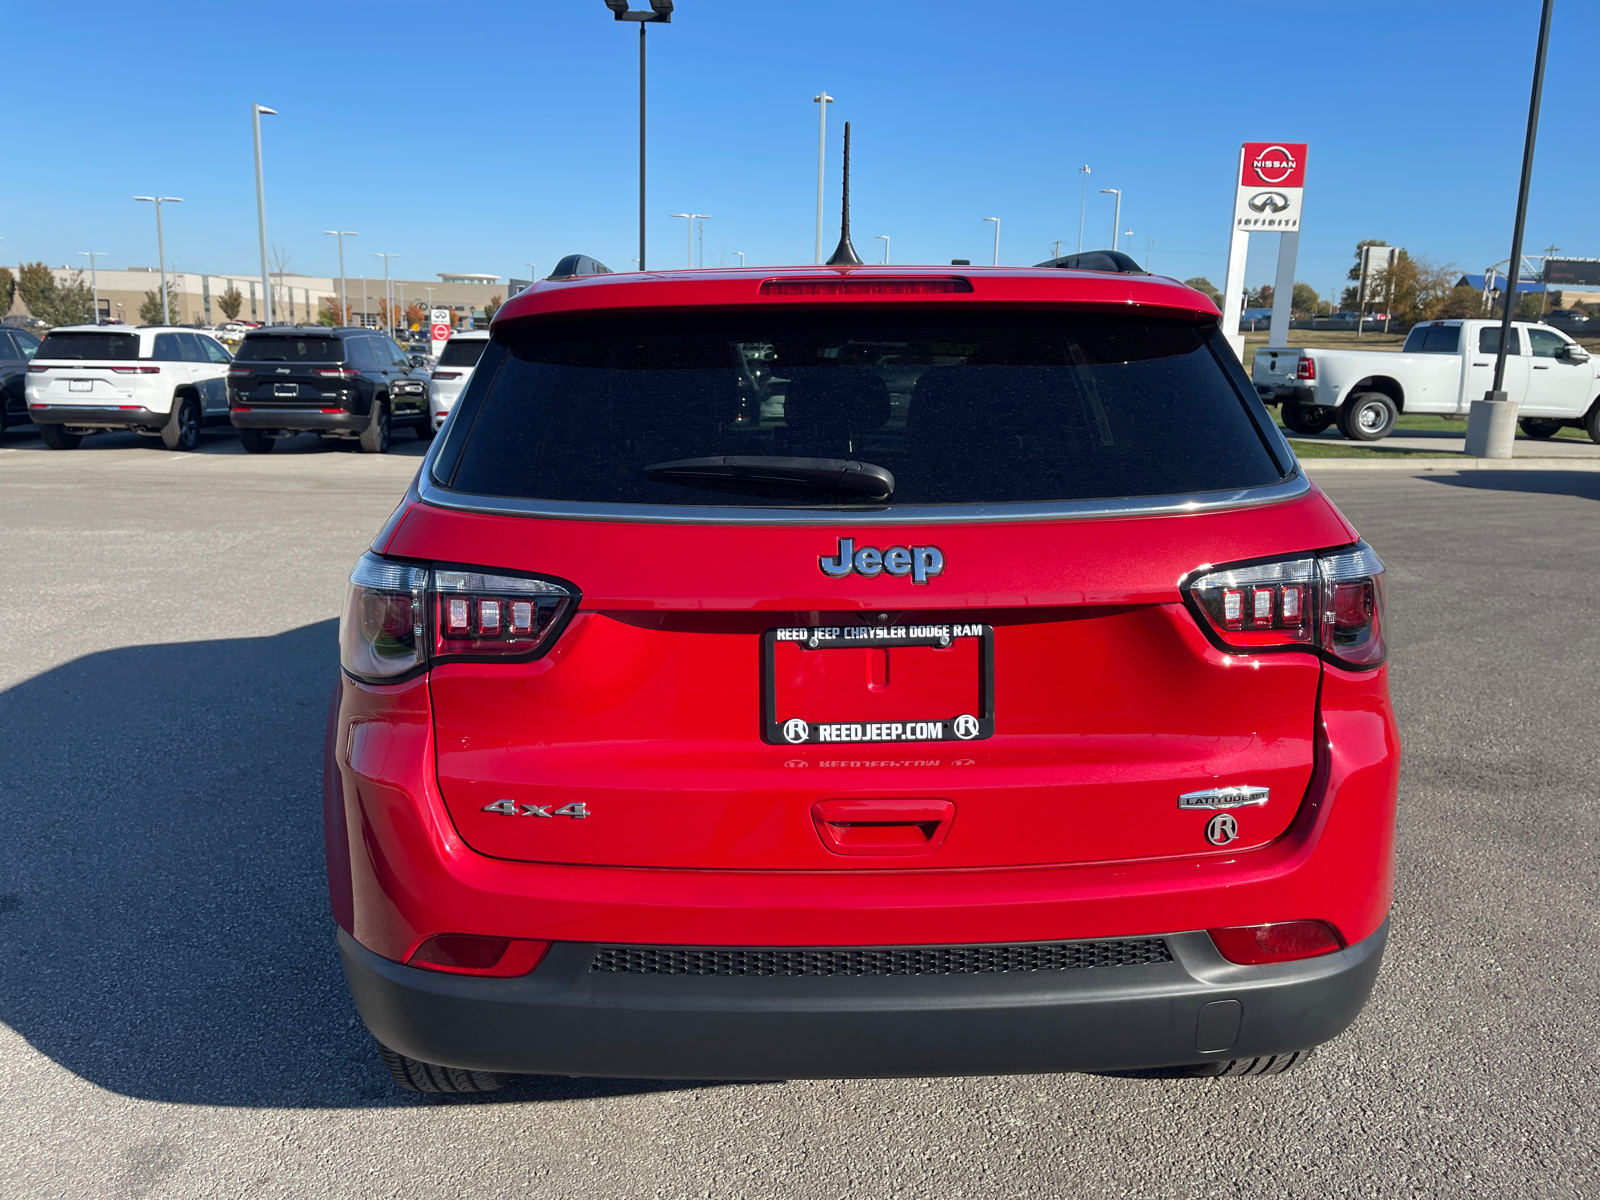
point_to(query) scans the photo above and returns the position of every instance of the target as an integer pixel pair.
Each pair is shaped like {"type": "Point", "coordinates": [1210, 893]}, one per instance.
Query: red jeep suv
{"type": "Point", "coordinates": [859, 672]}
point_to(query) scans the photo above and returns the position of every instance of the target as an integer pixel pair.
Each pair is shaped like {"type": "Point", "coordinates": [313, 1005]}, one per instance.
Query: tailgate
{"type": "Point", "coordinates": [1046, 698]}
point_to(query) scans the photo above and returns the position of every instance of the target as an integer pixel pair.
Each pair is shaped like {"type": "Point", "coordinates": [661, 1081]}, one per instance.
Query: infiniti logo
{"type": "Point", "coordinates": [919, 562]}
{"type": "Point", "coordinates": [1272, 202]}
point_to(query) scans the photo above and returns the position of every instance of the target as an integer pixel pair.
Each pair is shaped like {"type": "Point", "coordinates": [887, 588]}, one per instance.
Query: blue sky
{"type": "Point", "coordinates": [502, 133]}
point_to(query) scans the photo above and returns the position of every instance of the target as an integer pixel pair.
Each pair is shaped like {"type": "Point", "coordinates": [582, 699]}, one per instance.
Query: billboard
{"type": "Point", "coordinates": [1572, 272]}
{"type": "Point", "coordinates": [1271, 187]}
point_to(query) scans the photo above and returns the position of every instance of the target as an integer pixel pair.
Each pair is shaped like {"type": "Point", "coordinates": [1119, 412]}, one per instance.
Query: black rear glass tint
{"type": "Point", "coordinates": [90, 345]}
{"type": "Point", "coordinates": [1433, 339]}
{"type": "Point", "coordinates": [277, 348]}
{"type": "Point", "coordinates": [460, 353]}
{"type": "Point", "coordinates": [963, 407]}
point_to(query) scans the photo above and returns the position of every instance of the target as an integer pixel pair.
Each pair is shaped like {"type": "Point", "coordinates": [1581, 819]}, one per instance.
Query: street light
{"type": "Point", "coordinates": [1083, 199]}
{"type": "Point", "coordinates": [660, 10]}
{"type": "Point", "coordinates": [701, 223]}
{"type": "Point", "coordinates": [388, 292]}
{"type": "Point", "coordinates": [691, 218]}
{"type": "Point", "coordinates": [533, 272]}
{"type": "Point", "coordinates": [261, 203]}
{"type": "Point", "coordinates": [94, 281]}
{"type": "Point", "coordinates": [344, 304]}
{"type": "Point", "coordinates": [821, 100]}
{"type": "Point", "coordinates": [1127, 233]}
{"type": "Point", "coordinates": [740, 253]}
{"type": "Point", "coordinates": [885, 238]}
{"type": "Point", "coordinates": [1116, 219]}
{"type": "Point", "coordinates": [161, 249]}
{"type": "Point", "coordinates": [996, 221]}
{"type": "Point", "coordinates": [1148, 242]}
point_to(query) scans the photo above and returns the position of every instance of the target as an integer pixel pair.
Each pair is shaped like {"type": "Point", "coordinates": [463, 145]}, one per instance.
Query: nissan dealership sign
{"type": "Point", "coordinates": [1272, 184]}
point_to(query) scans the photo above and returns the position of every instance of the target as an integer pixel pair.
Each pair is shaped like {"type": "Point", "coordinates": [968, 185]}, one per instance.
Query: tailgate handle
{"type": "Point", "coordinates": [882, 826]}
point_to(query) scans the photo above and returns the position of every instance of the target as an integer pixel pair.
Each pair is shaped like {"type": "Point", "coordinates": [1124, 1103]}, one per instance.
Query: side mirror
{"type": "Point", "coordinates": [1574, 354]}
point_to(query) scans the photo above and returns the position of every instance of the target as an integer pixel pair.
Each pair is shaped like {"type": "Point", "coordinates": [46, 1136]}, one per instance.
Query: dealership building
{"type": "Point", "coordinates": [298, 299]}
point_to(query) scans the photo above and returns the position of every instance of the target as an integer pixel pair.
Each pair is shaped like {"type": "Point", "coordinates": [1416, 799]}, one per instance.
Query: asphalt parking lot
{"type": "Point", "coordinates": [173, 1022]}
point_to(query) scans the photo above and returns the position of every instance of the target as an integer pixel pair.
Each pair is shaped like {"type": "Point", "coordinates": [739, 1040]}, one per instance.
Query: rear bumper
{"type": "Point", "coordinates": [298, 419]}
{"type": "Point", "coordinates": [565, 1019]}
{"type": "Point", "coordinates": [1282, 394]}
{"type": "Point", "coordinates": [85, 416]}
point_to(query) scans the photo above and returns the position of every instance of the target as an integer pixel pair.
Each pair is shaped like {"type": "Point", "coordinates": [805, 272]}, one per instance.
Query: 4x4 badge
{"type": "Point", "coordinates": [922, 563]}
{"type": "Point", "coordinates": [508, 808]}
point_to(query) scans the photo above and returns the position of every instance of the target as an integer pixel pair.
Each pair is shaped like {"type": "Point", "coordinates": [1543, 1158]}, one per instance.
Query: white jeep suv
{"type": "Point", "coordinates": [153, 380]}
{"type": "Point", "coordinates": [456, 362]}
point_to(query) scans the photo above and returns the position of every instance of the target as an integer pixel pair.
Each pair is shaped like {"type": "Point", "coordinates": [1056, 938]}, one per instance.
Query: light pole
{"type": "Point", "coordinates": [429, 290]}
{"type": "Point", "coordinates": [701, 224]}
{"type": "Point", "coordinates": [400, 306]}
{"type": "Point", "coordinates": [1083, 200]}
{"type": "Point", "coordinates": [388, 292]}
{"type": "Point", "coordinates": [363, 302]}
{"type": "Point", "coordinates": [740, 253]}
{"type": "Point", "coordinates": [94, 282]}
{"type": "Point", "coordinates": [261, 202]}
{"type": "Point", "coordinates": [660, 10]}
{"type": "Point", "coordinates": [821, 100]}
{"type": "Point", "coordinates": [161, 249]}
{"type": "Point", "coordinates": [1148, 242]}
{"type": "Point", "coordinates": [1116, 219]}
{"type": "Point", "coordinates": [996, 221]}
{"type": "Point", "coordinates": [691, 218]}
{"type": "Point", "coordinates": [885, 238]}
{"type": "Point", "coordinates": [344, 303]}
{"type": "Point", "coordinates": [533, 272]}
{"type": "Point", "coordinates": [1127, 233]}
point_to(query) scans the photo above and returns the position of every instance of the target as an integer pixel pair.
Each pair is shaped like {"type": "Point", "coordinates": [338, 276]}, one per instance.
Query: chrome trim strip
{"type": "Point", "coordinates": [1293, 487]}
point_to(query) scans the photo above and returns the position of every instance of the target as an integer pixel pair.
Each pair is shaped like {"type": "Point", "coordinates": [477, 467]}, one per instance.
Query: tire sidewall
{"type": "Point", "coordinates": [183, 426]}
{"type": "Point", "coordinates": [1350, 416]}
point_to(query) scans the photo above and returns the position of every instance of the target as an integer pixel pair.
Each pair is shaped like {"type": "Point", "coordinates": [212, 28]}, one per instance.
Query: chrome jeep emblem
{"type": "Point", "coordinates": [922, 563]}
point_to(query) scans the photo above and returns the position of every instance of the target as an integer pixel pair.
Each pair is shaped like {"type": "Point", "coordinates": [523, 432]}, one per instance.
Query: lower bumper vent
{"type": "Point", "coordinates": [894, 960]}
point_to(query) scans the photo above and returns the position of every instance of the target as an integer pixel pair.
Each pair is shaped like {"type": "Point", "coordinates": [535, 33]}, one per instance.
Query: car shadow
{"type": "Point", "coordinates": [163, 908]}
{"type": "Point", "coordinates": [1583, 484]}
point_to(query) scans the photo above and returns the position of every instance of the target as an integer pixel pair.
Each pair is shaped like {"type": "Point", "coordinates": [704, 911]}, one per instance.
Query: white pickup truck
{"type": "Point", "coordinates": [1443, 367]}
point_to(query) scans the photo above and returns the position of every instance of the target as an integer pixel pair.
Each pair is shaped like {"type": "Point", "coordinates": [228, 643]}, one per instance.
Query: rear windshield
{"type": "Point", "coordinates": [1433, 339]}
{"type": "Point", "coordinates": [90, 345]}
{"type": "Point", "coordinates": [460, 352]}
{"type": "Point", "coordinates": [961, 407]}
{"type": "Point", "coordinates": [290, 349]}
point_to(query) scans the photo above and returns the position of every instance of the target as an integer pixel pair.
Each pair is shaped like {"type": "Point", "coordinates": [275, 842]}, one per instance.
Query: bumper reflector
{"type": "Point", "coordinates": [1285, 941]}
{"type": "Point", "coordinates": [475, 954]}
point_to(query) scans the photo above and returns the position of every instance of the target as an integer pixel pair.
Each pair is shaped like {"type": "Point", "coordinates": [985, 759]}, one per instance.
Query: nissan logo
{"type": "Point", "coordinates": [1272, 202]}
{"type": "Point", "coordinates": [1273, 165]}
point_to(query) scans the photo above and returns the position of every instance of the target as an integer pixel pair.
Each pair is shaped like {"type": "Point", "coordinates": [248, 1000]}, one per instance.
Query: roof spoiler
{"type": "Point", "coordinates": [575, 266]}
{"type": "Point", "coordinates": [1113, 261]}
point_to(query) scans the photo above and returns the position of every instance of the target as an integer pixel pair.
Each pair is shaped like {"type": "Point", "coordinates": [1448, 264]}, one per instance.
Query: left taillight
{"type": "Point", "coordinates": [1330, 601]}
{"type": "Point", "coordinates": [400, 617]}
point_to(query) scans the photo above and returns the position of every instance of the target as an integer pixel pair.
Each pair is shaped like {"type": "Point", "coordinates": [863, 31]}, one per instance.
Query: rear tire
{"type": "Point", "coordinates": [255, 442]}
{"type": "Point", "coordinates": [1240, 1068]}
{"type": "Point", "coordinates": [1367, 417]}
{"type": "Point", "coordinates": [1591, 423]}
{"type": "Point", "coordinates": [425, 430]}
{"type": "Point", "coordinates": [375, 437]}
{"type": "Point", "coordinates": [417, 1076]}
{"type": "Point", "coordinates": [1307, 419]}
{"type": "Point", "coordinates": [57, 437]}
{"type": "Point", "coordinates": [182, 430]}
{"type": "Point", "coordinates": [1540, 427]}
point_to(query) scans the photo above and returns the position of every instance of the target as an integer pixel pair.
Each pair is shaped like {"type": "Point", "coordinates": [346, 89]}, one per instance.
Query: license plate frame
{"type": "Point", "coordinates": [797, 730]}
{"type": "Point", "coordinates": [80, 385]}
{"type": "Point", "coordinates": [286, 391]}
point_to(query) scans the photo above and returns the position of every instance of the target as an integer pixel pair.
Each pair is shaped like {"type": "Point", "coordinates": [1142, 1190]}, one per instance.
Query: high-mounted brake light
{"type": "Point", "coordinates": [1331, 601]}
{"type": "Point", "coordinates": [865, 287]}
{"type": "Point", "coordinates": [336, 372]}
{"type": "Point", "coordinates": [401, 617]}
{"type": "Point", "coordinates": [1306, 368]}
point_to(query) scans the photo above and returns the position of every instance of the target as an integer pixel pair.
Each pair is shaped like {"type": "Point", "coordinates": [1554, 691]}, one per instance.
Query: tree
{"type": "Point", "coordinates": [492, 306]}
{"type": "Point", "coordinates": [150, 311]}
{"type": "Point", "coordinates": [1460, 302]}
{"type": "Point", "coordinates": [1305, 299]}
{"type": "Point", "coordinates": [333, 313]}
{"type": "Point", "coordinates": [230, 302]}
{"type": "Point", "coordinates": [54, 303]}
{"type": "Point", "coordinates": [1260, 298]}
{"type": "Point", "coordinates": [388, 314]}
{"type": "Point", "coordinates": [1530, 307]}
{"type": "Point", "coordinates": [1206, 288]}
{"type": "Point", "coordinates": [1411, 289]}
{"type": "Point", "coordinates": [8, 290]}
{"type": "Point", "coordinates": [415, 316]}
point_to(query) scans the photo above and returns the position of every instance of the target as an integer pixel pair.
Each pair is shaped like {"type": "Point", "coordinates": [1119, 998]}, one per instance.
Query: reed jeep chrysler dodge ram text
{"type": "Point", "coordinates": [878, 671]}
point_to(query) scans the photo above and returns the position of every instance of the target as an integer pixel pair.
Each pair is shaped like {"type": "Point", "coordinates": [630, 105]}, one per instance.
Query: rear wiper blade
{"type": "Point", "coordinates": [824, 474]}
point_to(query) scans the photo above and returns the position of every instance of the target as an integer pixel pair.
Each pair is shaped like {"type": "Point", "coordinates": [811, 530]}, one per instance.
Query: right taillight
{"type": "Point", "coordinates": [401, 617]}
{"type": "Point", "coordinates": [1330, 601]}
{"type": "Point", "coordinates": [1306, 368]}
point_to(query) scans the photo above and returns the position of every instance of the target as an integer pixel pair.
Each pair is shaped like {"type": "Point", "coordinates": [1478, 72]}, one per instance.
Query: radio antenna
{"type": "Point", "coordinates": [845, 255]}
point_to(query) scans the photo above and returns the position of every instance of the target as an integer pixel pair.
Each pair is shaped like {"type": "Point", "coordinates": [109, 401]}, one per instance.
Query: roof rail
{"type": "Point", "coordinates": [574, 266]}
{"type": "Point", "coordinates": [1113, 261]}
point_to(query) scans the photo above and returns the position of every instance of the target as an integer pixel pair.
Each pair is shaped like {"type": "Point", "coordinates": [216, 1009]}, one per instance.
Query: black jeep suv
{"type": "Point", "coordinates": [337, 383]}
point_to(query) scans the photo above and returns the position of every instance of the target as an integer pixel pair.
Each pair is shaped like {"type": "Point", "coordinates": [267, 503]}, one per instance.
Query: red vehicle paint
{"type": "Point", "coordinates": [1038, 729]}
